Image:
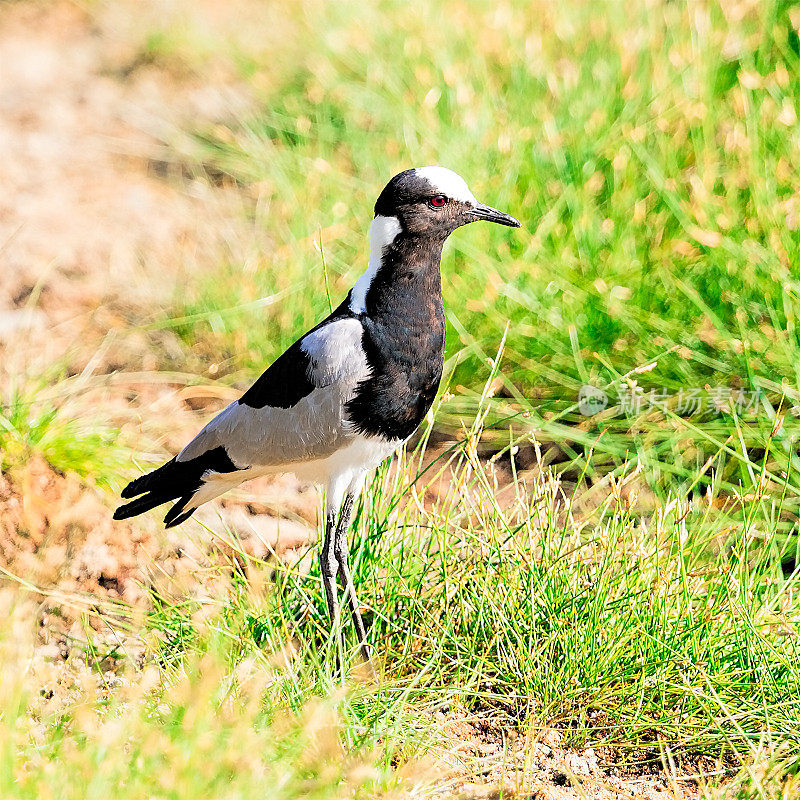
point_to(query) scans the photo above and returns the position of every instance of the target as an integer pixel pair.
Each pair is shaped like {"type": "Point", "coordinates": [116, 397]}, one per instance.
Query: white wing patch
{"type": "Point", "coordinates": [314, 427]}
{"type": "Point", "coordinates": [382, 232]}
{"type": "Point", "coordinates": [335, 350]}
{"type": "Point", "coordinates": [445, 181]}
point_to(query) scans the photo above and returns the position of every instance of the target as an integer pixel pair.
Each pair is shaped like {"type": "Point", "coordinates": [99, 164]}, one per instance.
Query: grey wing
{"type": "Point", "coordinates": [296, 410]}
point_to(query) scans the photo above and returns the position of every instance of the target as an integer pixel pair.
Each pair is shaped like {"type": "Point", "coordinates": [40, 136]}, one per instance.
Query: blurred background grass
{"type": "Point", "coordinates": [649, 150]}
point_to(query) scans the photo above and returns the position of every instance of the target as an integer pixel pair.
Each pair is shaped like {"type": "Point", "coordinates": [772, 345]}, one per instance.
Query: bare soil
{"type": "Point", "coordinates": [540, 766]}
{"type": "Point", "coordinates": [93, 236]}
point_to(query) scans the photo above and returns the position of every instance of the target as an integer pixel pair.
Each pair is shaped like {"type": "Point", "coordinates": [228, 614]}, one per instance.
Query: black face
{"type": "Point", "coordinates": [425, 209]}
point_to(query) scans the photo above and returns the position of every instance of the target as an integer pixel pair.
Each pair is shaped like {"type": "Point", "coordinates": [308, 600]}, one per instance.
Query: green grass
{"type": "Point", "coordinates": [673, 628]}
{"type": "Point", "coordinates": [54, 420]}
{"type": "Point", "coordinates": [671, 634]}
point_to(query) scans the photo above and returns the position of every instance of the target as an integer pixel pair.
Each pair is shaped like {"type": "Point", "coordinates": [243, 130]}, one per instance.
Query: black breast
{"type": "Point", "coordinates": [403, 340]}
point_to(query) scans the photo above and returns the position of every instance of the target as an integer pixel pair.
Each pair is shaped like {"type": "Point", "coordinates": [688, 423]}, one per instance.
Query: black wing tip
{"type": "Point", "coordinates": [148, 481]}
{"type": "Point", "coordinates": [173, 480]}
{"type": "Point", "coordinates": [132, 509]}
{"type": "Point", "coordinates": [177, 513]}
{"type": "Point", "coordinates": [130, 491]}
{"type": "Point", "coordinates": [179, 519]}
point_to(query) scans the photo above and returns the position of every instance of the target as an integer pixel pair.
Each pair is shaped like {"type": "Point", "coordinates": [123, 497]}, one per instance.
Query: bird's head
{"type": "Point", "coordinates": [434, 201]}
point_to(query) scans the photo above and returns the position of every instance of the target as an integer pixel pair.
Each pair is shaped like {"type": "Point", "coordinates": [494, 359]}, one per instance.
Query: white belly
{"type": "Point", "coordinates": [337, 472]}
{"type": "Point", "coordinates": [349, 463]}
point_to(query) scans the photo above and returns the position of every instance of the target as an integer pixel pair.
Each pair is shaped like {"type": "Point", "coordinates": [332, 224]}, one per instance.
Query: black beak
{"type": "Point", "coordinates": [490, 214]}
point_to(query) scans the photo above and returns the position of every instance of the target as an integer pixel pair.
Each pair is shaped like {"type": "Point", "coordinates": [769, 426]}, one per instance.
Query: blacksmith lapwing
{"type": "Point", "coordinates": [346, 394]}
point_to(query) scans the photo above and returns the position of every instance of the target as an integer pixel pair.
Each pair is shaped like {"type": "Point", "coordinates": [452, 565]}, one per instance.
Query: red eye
{"type": "Point", "coordinates": [438, 200]}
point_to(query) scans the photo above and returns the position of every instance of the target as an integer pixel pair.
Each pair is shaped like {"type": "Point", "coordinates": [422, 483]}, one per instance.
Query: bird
{"type": "Point", "coordinates": [347, 393]}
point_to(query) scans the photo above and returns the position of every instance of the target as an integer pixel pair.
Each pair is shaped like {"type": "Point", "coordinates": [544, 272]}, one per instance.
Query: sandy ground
{"type": "Point", "coordinates": [91, 238]}
{"type": "Point", "coordinates": [92, 235]}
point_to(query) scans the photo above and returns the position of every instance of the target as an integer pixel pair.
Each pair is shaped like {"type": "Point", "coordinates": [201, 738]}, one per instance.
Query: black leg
{"type": "Point", "coordinates": [341, 553]}
{"type": "Point", "coordinates": [329, 566]}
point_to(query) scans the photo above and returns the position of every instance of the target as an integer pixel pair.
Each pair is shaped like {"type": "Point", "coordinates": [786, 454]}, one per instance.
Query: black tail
{"type": "Point", "coordinates": [174, 480]}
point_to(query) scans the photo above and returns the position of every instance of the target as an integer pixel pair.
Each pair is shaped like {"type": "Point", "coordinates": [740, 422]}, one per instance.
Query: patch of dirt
{"type": "Point", "coordinates": [503, 763]}
{"type": "Point", "coordinates": [91, 236]}
{"type": "Point", "coordinates": [57, 533]}
{"type": "Point", "coordinates": [54, 532]}
{"type": "Point", "coordinates": [95, 233]}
